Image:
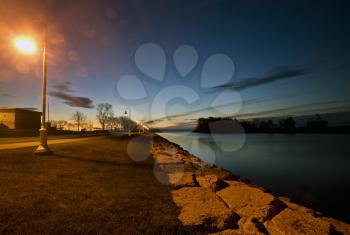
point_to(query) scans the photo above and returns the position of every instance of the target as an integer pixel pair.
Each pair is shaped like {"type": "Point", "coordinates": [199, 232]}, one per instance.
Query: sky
{"type": "Point", "coordinates": [179, 59]}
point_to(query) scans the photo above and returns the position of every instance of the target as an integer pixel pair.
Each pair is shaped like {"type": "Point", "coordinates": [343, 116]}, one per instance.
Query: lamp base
{"type": "Point", "coordinates": [43, 148]}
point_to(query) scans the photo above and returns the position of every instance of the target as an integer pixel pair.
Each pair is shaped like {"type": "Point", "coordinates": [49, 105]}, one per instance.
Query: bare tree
{"type": "Point", "coordinates": [70, 126]}
{"type": "Point", "coordinates": [78, 118]}
{"type": "Point", "coordinates": [116, 122]}
{"type": "Point", "coordinates": [127, 123]}
{"type": "Point", "coordinates": [104, 113]}
{"type": "Point", "coordinates": [110, 122]}
{"type": "Point", "coordinates": [61, 124]}
{"type": "Point", "coordinates": [90, 126]}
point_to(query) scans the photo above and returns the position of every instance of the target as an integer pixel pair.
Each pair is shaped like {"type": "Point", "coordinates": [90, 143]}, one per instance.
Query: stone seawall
{"type": "Point", "coordinates": [215, 201]}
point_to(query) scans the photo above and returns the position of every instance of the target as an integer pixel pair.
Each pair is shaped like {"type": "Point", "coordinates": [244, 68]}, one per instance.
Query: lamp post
{"type": "Point", "coordinates": [43, 148]}
{"type": "Point", "coordinates": [126, 113]}
{"type": "Point", "coordinates": [28, 46]}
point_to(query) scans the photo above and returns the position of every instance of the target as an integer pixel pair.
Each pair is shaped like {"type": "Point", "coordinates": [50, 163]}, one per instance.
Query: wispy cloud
{"type": "Point", "coordinates": [62, 92]}
{"type": "Point", "coordinates": [308, 108]}
{"type": "Point", "coordinates": [7, 95]}
{"type": "Point", "coordinates": [302, 109]}
{"type": "Point", "coordinates": [64, 87]}
{"type": "Point", "coordinates": [278, 73]}
{"type": "Point", "coordinates": [213, 109]}
{"type": "Point", "coordinates": [30, 108]}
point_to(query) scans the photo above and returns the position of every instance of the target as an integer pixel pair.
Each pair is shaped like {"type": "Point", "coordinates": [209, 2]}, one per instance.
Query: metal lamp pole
{"type": "Point", "coordinates": [127, 109]}
{"type": "Point", "coordinates": [43, 148]}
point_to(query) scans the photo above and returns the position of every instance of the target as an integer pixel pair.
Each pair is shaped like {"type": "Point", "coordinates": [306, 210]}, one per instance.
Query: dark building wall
{"type": "Point", "coordinates": [26, 119]}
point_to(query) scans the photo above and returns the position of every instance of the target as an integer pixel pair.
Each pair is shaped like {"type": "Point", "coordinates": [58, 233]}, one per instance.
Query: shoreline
{"type": "Point", "coordinates": [233, 205]}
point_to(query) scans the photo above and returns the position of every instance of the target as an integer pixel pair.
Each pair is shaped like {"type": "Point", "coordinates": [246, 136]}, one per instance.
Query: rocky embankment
{"type": "Point", "coordinates": [213, 200]}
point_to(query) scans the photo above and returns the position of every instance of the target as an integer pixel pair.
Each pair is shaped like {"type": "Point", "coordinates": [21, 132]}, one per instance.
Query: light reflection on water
{"type": "Point", "coordinates": [313, 169]}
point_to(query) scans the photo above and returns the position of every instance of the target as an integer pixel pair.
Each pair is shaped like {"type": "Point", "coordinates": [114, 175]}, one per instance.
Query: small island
{"type": "Point", "coordinates": [287, 125]}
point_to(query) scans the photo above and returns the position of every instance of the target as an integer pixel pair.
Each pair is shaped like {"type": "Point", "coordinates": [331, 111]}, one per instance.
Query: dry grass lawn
{"type": "Point", "coordinates": [87, 187]}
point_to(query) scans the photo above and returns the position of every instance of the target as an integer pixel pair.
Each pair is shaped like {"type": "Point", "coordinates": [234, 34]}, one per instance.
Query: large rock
{"type": "Point", "coordinates": [297, 207]}
{"type": "Point", "coordinates": [170, 150]}
{"type": "Point", "coordinates": [338, 226]}
{"type": "Point", "coordinates": [251, 226]}
{"type": "Point", "coordinates": [167, 159]}
{"type": "Point", "coordinates": [222, 174]}
{"type": "Point", "coordinates": [249, 201]}
{"type": "Point", "coordinates": [188, 167]}
{"type": "Point", "coordinates": [199, 164]}
{"type": "Point", "coordinates": [181, 179]}
{"type": "Point", "coordinates": [293, 222]}
{"type": "Point", "coordinates": [168, 173]}
{"type": "Point", "coordinates": [211, 182]}
{"type": "Point", "coordinates": [228, 232]}
{"type": "Point", "coordinates": [203, 209]}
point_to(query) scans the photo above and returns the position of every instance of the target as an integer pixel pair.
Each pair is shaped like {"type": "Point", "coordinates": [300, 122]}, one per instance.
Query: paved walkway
{"type": "Point", "coordinates": [35, 143]}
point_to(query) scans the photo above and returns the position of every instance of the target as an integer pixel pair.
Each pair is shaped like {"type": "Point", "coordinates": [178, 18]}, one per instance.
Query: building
{"type": "Point", "coordinates": [16, 118]}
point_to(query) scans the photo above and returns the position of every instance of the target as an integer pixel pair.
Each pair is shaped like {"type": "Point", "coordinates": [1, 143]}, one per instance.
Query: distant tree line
{"type": "Point", "coordinates": [284, 125]}
{"type": "Point", "coordinates": [105, 116]}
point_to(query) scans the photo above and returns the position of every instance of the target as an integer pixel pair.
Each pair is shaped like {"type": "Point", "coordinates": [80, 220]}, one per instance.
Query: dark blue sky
{"type": "Point", "coordinates": [93, 45]}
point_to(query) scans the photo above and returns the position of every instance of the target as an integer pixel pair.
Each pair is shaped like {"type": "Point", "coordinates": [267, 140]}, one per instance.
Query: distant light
{"type": "Point", "coordinates": [25, 45]}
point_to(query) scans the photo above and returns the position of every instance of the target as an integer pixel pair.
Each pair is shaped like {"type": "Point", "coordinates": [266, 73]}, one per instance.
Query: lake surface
{"type": "Point", "coordinates": [313, 169]}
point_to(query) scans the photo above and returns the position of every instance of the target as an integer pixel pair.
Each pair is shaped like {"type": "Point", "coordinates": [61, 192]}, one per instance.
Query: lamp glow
{"type": "Point", "coordinates": [25, 45]}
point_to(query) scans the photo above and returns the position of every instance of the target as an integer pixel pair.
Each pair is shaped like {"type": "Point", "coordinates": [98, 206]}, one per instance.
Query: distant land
{"type": "Point", "coordinates": [333, 119]}
{"type": "Point", "coordinates": [318, 123]}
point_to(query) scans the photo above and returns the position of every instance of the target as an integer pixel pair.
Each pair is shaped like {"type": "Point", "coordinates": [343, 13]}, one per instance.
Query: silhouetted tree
{"type": "Point", "coordinates": [60, 124]}
{"type": "Point", "coordinates": [216, 125]}
{"type": "Point", "coordinates": [271, 124]}
{"type": "Point", "coordinates": [78, 118]}
{"type": "Point", "coordinates": [288, 125]}
{"type": "Point", "coordinates": [104, 112]}
{"type": "Point", "coordinates": [126, 123]}
{"type": "Point", "coordinates": [203, 125]}
{"type": "Point", "coordinates": [316, 124]}
{"type": "Point", "coordinates": [110, 122]}
{"type": "Point", "coordinates": [70, 126]}
{"type": "Point", "coordinates": [249, 126]}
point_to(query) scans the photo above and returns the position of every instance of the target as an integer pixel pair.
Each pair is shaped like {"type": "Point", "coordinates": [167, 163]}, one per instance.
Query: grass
{"type": "Point", "coordinates": [87, 187]}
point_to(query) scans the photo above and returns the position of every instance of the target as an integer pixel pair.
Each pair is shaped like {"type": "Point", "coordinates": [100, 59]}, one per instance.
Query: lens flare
{"type": "Point", "coordinates": [25, 45]}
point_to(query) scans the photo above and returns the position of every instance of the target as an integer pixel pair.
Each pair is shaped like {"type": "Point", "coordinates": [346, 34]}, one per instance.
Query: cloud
{"type": "Point", "coordinates": [7, 95]}
{"type": "Point", "coordinates": [212, 109]}
{"type": "Point", "coordinates": [278, 73]}
{"type": "Point", "coordinates": [315, 107]}
{"type": "Point", "coordinates": [30, 108]}
{"type": "Point", "coordinates": [62, 92]}
{"type": "Point", "coordinates": [73, 101]}
{"type": "Point", "coordinates": [301, 109]}
{"type": "Point", "coordinates": [64, 87]}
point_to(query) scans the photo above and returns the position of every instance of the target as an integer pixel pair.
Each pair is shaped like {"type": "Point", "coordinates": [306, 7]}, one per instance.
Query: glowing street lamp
{"type": "Point", "coordinates": [27, 46]}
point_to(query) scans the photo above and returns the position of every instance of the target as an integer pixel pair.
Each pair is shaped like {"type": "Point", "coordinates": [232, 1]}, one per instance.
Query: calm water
{"type": "Point", "coordinates": [313, 169]}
